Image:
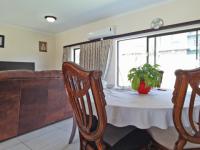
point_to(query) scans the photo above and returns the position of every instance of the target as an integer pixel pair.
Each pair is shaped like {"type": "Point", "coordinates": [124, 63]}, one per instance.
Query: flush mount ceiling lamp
{"type": "Point", "coordinates": [157, 23]}
{"type": "Point", "coordinates": [50, 19]}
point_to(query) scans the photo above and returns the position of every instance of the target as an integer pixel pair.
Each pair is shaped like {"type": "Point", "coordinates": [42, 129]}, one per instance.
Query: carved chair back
{"type": "Point", "coordinates": [86, 96]}
{"type": "Point", "coordinates": [184, 79]}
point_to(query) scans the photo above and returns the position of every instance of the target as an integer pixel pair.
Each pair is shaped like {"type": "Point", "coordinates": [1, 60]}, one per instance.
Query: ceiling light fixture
{"type": "Point", "coordinates": [50, 19]}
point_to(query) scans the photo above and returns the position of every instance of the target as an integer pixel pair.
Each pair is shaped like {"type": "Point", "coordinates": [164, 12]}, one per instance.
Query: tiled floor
{"type": "Point", "coordinates": [53, 137]}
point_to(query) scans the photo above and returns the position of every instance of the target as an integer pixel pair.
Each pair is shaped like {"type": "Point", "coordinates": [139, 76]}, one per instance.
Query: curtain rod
{"type": "Point", "coordinates": [139, 32]}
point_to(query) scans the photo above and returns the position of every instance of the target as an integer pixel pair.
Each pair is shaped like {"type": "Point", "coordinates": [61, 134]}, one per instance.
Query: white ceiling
{"type": "Point", "coordinates": [69, 13]}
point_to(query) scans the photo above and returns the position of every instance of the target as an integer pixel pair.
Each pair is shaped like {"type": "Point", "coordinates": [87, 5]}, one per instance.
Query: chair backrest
{"type": "Point", "coordinates": [86, 96]}
{"type": "Point", "coordinates": [184, 78]}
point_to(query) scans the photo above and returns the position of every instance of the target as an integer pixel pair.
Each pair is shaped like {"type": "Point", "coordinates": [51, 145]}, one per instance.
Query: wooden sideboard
{"type": "Point", "coordinates": [30, 100]}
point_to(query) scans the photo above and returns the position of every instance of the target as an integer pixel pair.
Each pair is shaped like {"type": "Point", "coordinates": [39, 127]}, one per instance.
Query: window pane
{"type": "Point", "coordinates": [131, 53]}
{"type": "Point", "coordinates": [198, 47]}
{"type": "Point", "coordinates": [77, 55]}
{"type": "Point", "coordinates": [152, 51]}
{"type": "Point", "coordinates": [176, 51]}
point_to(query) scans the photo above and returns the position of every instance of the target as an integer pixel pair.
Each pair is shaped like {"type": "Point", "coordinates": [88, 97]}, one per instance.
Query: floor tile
{"type": "Point", "coordinates": [9, 143]}
{"type": "Point", "coordinates": [73, 146]}
{"type": "Point", "coordinates": [63, 124]}
{"type": "Point", "coordinates": [19, 147]}
{"type": "Point", "coordinates": [53, 137]}
{"type": "Point", "coordinates": [31, 135]}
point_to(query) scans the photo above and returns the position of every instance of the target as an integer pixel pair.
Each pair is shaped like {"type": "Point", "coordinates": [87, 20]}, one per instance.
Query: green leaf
{"type": "Point", "coordinates": [135, 83]}
{"type": "Point", "coordinates": [147, 73]}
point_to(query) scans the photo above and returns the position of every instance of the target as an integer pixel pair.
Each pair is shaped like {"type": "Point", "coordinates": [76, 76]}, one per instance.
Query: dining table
{"type": "Point", "coordinates": [127, 107]}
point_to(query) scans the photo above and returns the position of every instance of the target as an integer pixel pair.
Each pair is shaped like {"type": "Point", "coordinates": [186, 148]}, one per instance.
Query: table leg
{"type": "Point", "coordinates": [73, 131]}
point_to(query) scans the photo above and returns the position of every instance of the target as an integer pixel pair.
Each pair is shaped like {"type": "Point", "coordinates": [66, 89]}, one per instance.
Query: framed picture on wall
{"type": "Point", "coordinates": [42, 46]}
{"type": "Point", "coordinates": [1, 41]}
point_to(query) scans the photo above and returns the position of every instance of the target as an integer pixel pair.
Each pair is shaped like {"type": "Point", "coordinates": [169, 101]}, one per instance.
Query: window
{"type": "Point", "coordinates": [176, 51]}
{"type": "Point", "coordinates": [131, 53]}
{"type": "Point", "coordinates": [76, 55]}
{"type": "Point", "coordinates": [172, 51]}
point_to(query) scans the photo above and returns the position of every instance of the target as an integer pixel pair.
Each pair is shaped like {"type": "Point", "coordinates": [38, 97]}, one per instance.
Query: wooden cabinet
{"type": "Point", "coordinates": [34, 103]}
{"type": "Point", "coordinates": [58, 106]}
{"type": "Point", "coordinates": [9, 108]}
{"type": "Point", "coordinates": [30, 100]}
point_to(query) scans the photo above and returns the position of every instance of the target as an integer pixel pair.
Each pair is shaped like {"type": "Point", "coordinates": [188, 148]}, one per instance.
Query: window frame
{"type": "Point", "coordinates": [74, 49]}
{"type": "Point", "coordinates": [152, 35]}
{"type": "Point", "coordinates": [118, 41]}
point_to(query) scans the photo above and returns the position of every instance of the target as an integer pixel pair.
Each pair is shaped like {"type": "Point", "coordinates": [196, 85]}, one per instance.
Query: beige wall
{"type": "Point", "coordinates": [176, 11]}
{"type": "Point", "coordinates": [22, 45]}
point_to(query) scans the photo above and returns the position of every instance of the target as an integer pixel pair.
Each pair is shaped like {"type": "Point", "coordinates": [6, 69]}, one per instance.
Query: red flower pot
{"type": "Point", "coordinates": [143, 89]}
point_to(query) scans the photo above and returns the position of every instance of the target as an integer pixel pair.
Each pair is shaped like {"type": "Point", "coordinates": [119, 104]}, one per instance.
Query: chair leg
{"type": "Point", "coordinates": [73, 131]}
{"type": "Point", "coordinates": [180, 144]}
{"type": "Point", "coordinates": [81, 142]}
{"type": "Point", "coordinates": [99, 144]}
{"type": "Point", "coordinates": [155, 146]}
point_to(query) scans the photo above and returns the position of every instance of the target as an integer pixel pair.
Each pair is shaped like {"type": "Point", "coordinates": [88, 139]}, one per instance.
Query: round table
{"type": "Point", "coordinates": [150, 111]}
{"type": "Point", "coordinates": [126, 107]}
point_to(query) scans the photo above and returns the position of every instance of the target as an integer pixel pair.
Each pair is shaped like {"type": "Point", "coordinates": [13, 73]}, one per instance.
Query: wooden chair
{"type": "Point", "coordinates": [86, 96]}
{"type": "Point", "coordinates": [181, 137]}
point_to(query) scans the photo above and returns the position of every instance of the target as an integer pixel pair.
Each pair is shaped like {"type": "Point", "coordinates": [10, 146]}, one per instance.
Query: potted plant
{"type": "Point", "coordinates": [144, 78]}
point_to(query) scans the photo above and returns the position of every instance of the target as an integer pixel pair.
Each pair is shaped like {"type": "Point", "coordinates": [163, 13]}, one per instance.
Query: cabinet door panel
{"type": "Point", "coordinates": [9, 108]}
{"type": "Point", "coordinates": [34, 96]}
{"type": "Point", "coordinates": [58, 103]}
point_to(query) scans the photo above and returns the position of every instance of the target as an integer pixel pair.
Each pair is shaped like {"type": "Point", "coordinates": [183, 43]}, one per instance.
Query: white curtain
{"type": "Point", "coordinates": [94, 56]}
{"type": "Point", "coordinates": [108, 44]}
{"type": "Point", "coordinates": [66, 54]}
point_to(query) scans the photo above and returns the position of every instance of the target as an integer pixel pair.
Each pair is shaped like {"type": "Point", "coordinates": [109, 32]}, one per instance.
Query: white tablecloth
{"type": "Point", "coordinates": [143, 111]}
